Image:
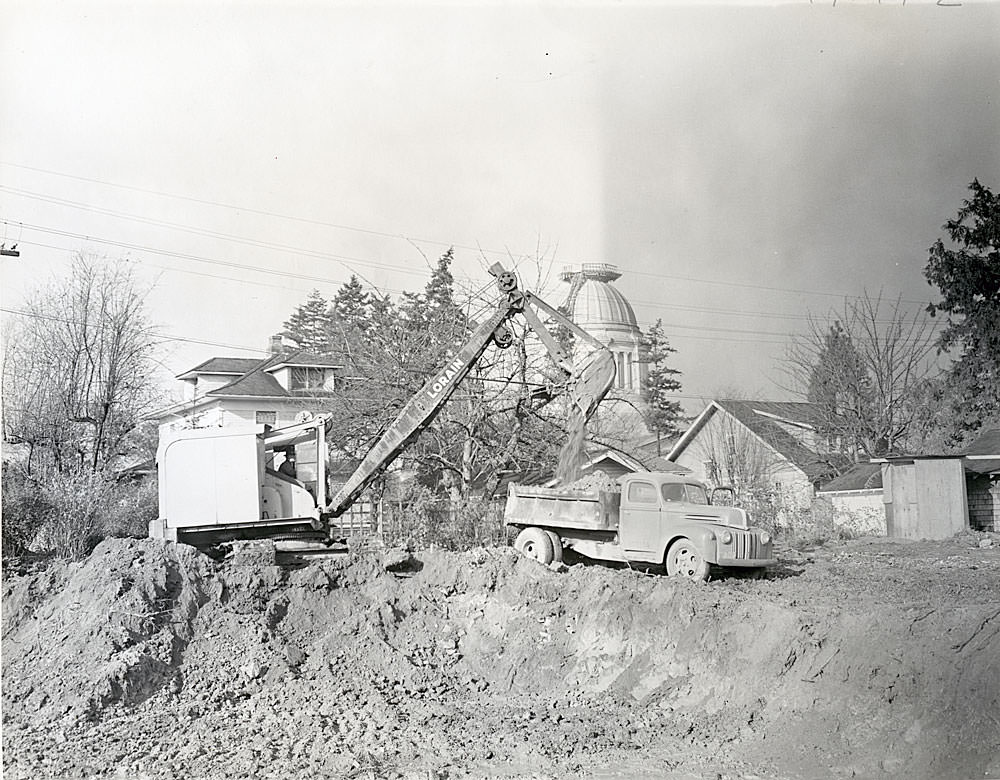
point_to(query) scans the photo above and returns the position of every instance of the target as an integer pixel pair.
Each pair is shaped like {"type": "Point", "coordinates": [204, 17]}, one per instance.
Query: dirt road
{"type": "Point", "coordinates": [149, 660]}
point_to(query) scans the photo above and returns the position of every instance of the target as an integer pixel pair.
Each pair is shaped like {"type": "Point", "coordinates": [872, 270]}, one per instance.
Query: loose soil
{"type": "Point", "coordinates": [150, 660]}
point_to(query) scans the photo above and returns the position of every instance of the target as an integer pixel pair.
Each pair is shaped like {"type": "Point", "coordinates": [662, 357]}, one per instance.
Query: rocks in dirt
{"type": "Point", "coordinates": [397, 559]}
{"type": "Point", "coordinates": [294, 655]}
{"type": "Point", "coordinates": [596, 480]}
{"type": "Point", "coordinates": [260, 553]}
{"type": "Point", "coordinates": [253, 669]}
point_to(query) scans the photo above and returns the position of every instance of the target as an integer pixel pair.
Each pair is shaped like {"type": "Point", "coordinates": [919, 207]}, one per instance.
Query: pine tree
{"type": "Point", "coordinates": [435, 320]}
{"type": "Point", "coordinates": [662, 412]}
{"type": "Point", "coordinates": [351, 304]}
{"type": "Point", "coordinates": [309, 325]}
{"type": "Point", "coordinates": [840, 388]}
{"type": "Point", "coordinates": [968, 277]}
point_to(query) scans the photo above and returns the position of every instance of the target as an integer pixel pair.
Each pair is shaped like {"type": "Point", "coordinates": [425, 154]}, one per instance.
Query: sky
{"type": "Point", "coordinates": [745, 166]}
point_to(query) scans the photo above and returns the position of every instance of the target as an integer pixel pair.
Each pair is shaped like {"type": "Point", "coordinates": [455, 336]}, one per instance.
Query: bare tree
{"type": "Point", "coordinates": [497, 422]}
{"type": "Point", "coordinates": [866, 374]}
{"type": "Point", "coordinates": [736, 457]}
{"type": "Point", "coordinates": [77, 371]}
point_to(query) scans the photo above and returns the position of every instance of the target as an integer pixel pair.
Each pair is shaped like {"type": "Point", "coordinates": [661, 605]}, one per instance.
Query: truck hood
{"type": "Point", "coordinates": [724, 515]}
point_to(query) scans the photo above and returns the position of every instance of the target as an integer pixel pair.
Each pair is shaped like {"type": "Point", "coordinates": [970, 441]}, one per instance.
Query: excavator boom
{"type": "Point", "coordinates": [417, 414]}
{"type": "Point", "coordinates": [588, 382]}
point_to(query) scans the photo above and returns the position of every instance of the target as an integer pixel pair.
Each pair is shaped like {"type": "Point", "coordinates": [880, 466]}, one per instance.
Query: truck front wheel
{"type": "Point", "coordinates": [535, 543]}
{"type": "Point", "coordinates": [683, 559]}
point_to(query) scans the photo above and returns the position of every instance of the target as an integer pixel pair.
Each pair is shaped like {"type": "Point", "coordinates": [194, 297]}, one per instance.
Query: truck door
{"type": "Point", "coordinates": [639, 528]}
{"type": "Point", "coordinates": [675, 506]}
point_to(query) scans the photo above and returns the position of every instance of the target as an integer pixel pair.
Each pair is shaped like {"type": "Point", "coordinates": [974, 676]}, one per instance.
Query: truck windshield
{"type": "Point", "coordinates": [696, 494]}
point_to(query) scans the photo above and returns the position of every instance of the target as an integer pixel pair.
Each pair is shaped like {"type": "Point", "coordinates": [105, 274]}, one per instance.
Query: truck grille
{"type": "Point", "coordinates": [746, 545]}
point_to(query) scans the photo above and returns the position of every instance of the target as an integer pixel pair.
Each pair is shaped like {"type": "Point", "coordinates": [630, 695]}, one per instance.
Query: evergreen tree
{"type": "Point", "coordinates": [309, 325]}
{"type": "Point", "coordinates": [968, 277]}
{"type": "Point", "coordinates": [351, 304]}
{"type": "Point", "coordinates": [433, 316]}
{"type": "Point", "coordinates": [840, 388]}
{"type": "Point", "coordinates": [662, 411]}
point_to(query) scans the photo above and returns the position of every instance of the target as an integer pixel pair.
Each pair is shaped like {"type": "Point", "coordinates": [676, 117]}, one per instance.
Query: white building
{"type": "Point", "coordinates": [235, 392]}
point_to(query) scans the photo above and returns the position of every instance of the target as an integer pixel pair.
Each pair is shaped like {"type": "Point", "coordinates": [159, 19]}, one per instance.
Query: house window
{"type": "Point", "coordinates": [266, 418]}
{"type": "Point", "coordinates": [307, 378]}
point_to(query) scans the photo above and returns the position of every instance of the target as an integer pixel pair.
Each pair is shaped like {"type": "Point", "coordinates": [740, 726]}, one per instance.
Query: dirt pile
{"type": "Point", "coordinates": [148, 659]}
{"type": "Point", "coordinates": [595, 480]}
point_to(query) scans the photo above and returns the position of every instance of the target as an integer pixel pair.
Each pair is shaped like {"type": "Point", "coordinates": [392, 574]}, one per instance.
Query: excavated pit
{"type": "Point", "coordinates": [871, 659]}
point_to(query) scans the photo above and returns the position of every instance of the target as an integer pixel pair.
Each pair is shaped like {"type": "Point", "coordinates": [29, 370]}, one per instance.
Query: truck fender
{"type": "Point", "coordinates": [702, 538]}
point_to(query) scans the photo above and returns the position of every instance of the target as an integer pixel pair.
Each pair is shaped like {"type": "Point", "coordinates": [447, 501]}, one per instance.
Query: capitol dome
{"type": "Point", "coordinates": [599, 308]}
{"type": "Point", "coordinates": [593, 303]}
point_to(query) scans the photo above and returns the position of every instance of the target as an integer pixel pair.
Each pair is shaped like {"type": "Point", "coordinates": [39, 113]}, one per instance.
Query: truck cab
{"type": "Point", "coordinates": [654, 517]}
{"type": "Point", "coordinates": [670, 518]}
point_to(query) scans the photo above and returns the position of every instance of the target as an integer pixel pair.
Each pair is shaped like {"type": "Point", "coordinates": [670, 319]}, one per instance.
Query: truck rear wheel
{"type": "Point", "coordinates": [557, 549]}
{"type": "Point", "coordinates": [683, 559]}
{"type": "Point", "coordinates": [536, 544]}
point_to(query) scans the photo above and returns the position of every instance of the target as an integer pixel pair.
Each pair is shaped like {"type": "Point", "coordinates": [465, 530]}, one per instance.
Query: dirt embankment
{"type": "Point", "coordinates": [869, 659]}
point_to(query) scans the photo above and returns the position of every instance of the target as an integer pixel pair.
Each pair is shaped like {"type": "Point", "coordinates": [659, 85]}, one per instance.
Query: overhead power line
{"type": "Point", "coordinates": [328, 280]}
{"type": "Point", "coordinates": [341, 226]}
{"type": "Point", "coordinates": [751, 335]}
{"type": "Point", "coordinates": [304, 251]}
{"type": "Point", "coordinates": [181, 255]}
{"type": "Point", "coordinates": [259, 212]}
{"type": "Point", "coordinates": [148, 331]}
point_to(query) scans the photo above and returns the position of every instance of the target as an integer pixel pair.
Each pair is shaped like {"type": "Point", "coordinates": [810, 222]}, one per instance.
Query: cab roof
{"type": "Point", "coordinates": [661, 477]}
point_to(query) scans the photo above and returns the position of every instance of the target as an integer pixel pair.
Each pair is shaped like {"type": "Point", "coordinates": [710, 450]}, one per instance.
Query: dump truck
{"type": "Point", "coordinates": [660, 518]}
{"type": "Point", "coordinates": [218, 485]}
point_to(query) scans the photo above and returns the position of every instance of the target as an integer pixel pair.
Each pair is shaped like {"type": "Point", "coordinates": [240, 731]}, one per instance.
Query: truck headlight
{"type": "Point", "coordinates": [765, 537]}
{"type": "Point", "coordinates": [726, 537]}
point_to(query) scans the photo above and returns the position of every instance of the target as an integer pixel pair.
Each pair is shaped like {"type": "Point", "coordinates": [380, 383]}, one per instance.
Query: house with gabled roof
{"type": "Point", "coordinates": [278, 390]}
{"type": "Point", "coordinates": [771, 443]}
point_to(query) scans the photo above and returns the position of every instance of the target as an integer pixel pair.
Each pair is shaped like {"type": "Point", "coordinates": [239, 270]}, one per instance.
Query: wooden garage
{"type": "Point", "coordinates": [925, 496]}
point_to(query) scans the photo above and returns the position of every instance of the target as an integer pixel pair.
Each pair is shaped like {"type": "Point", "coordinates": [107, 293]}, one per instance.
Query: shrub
{"type": "Point", "coordinates": [426, 521]}
{"type": "Point", "coordinates": [25, 505]}
{"type": "Point", "coordinates": [134, 504]}
{"type": "Point", "coordinates": [69, 514]}
{"type": "Point", "coordinates": [815, 525]}
{"type": "Point", "coordinates": [75, 519]}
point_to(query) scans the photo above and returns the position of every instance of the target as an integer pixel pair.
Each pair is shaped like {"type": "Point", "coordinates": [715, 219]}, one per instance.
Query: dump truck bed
{"type": "Point", "coordinates": [595, 510]}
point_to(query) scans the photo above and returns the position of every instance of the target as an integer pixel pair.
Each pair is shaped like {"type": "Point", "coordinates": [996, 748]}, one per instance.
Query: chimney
{"type": "Point", "coordinates": [274, 344]}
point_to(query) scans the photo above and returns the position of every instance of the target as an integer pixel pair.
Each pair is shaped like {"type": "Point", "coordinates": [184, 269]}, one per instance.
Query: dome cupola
{"type": "Point", "coordinates": [599, 308]}
{"type": "Point", "coordinates": [593, 303]}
